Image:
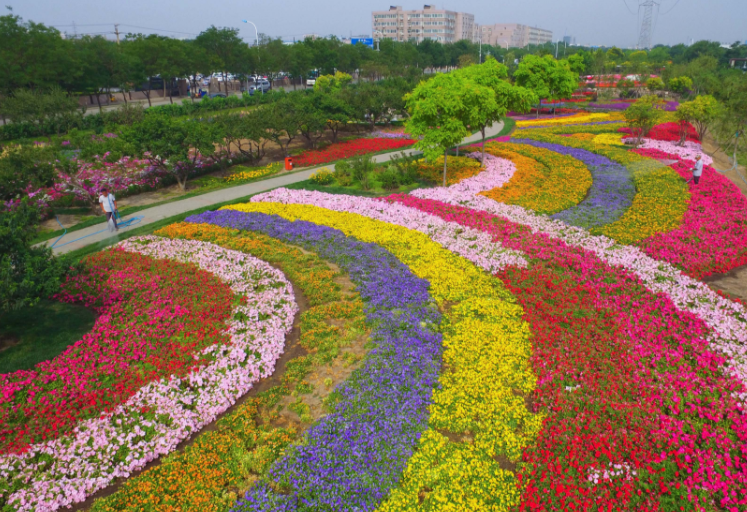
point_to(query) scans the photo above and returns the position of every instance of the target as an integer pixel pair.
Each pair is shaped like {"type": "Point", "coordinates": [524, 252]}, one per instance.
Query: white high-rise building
{"type": "Point", "coordinates": [427, 23]}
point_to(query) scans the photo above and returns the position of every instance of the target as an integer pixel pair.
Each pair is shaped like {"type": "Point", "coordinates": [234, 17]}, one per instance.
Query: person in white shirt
{"type": "Point", "coordinates": [109, 206]}
{"type": "Point", "coordinates": [697, 170]}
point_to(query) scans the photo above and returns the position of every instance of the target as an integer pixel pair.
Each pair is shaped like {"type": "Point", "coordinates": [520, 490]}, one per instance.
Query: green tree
{"type": "Point", "coordinates": [643, 115]}
{"type": "Point", "coordinates": [655, 84]}
{"type": "Point", "coordinates": [332, 83]}
{"type": "Point", "coordinates": [440, 110]}
{"type": "Point", "coordinates": [173, 145]}
{"type": "Point", "coordinates": [27, 274]}
{"type": "Point", "coordinates": [730, 129]}
{"type": "Point", "coordinates": [702, 113]}
{"type": "Point", "coordinates": [24, 166]}
{"type": "Point", "coordinates": [702, 71]}
{"type": "Point", "coordinates": [38, 107]}
{"type": "Point", "coordinates": [577, 64]}
{"type": "Point", "coordinates": [680, 84]}
{"type": "Point", "coordinates": [147, 51]}
{"type": "Point", "coordinates": [225, 49]}
{"type": "Point", "coordinates": [547, 77]}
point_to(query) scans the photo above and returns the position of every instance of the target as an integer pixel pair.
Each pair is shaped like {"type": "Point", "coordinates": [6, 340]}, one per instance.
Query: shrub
{"type": "Point", "coordinates": [362, 167]}
{"type": "Point", "coordinates": [322, 177]}
{"type": "Point", "coordinates": [22, 167]}
{"type": "Point", "coordinates": [390, 178]}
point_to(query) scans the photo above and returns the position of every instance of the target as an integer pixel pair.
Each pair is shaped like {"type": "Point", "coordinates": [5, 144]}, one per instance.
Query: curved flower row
{"type": "Point", "coordinates": [145, 331]}
{"type": "Point", "coordinates": [162, 414]}
{"type": "Point", "coordinates": [713, 234]}
{"type": "Point", "coordinates": [249, 439]}
{"type": "Point", "coordinates": [384, 407]}
{"type": "Point", "coordinates": [633, 395]}
{"type": "Point", "coordinates": [687, 151]}
{"type": "Point", "coordinates": [661, 198]}
{"type": "Point", "coordinates": [470, 244]}
{"type": "Point", "coordinates": [573, 119]}
{"type": "Point", "coordinates": [726, 319]}
{"type": "Point", "coordinates": [459, 168]}
{"type": "Point", "coordinates": [611, 193]}
{"type": "Point", "coordinates": [481, 392]}
{"type": "Point", "coordinates": [545, 182]}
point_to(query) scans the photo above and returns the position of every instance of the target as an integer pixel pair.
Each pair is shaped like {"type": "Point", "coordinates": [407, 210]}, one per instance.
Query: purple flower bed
{"type": "Point", "coordinates": [671, 106]}
{"type": "Point", "coordinates": [353, 457]}
{"type": "Point", "coordinates": [610, 195]}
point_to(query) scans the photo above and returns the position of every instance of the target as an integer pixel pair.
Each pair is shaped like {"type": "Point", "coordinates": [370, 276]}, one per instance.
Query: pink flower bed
{"type": "Point", "coordinates": [713, 234]}
{"type": "Point", "coordinates": [498, 171]}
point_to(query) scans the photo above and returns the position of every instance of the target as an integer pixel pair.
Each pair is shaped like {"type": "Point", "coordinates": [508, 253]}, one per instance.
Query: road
{"type": "Point", "coordinates": [98, 233]}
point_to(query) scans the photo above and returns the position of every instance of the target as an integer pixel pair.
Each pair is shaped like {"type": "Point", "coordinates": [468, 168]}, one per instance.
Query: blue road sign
{"type": "Point", "coordinates": [368, 41]}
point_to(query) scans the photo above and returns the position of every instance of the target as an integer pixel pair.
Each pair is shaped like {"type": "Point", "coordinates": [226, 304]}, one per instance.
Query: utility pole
{"type": "Point", "coordinates": [75, 31]}
{"type": "Point", "coordinates": [116, 31]}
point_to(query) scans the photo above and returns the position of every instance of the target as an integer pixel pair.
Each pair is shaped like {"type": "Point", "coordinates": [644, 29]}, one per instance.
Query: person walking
{"type": "Point", "coordinates": [109, 206]}
{"type": "Point", "coordinates": [697, 170]}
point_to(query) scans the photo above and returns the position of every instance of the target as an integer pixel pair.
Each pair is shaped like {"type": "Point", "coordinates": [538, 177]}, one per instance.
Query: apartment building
{"type": "Point", "coordinates": [514, 35]}
{"type": "Point", "coordinates": [426, 23]}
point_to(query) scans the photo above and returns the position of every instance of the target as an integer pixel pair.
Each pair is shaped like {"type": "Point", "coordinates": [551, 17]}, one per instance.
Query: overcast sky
{"type": "Point", "coordinates": [592, 22]}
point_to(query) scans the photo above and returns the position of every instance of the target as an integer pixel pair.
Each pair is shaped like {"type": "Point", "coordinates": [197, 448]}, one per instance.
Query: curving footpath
{"type": "Point", "coordinates": [93, 234]}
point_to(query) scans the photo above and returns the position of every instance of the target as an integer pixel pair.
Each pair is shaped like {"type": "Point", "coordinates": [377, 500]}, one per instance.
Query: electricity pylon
{"type": "Point", "coordinates": [646, 33]}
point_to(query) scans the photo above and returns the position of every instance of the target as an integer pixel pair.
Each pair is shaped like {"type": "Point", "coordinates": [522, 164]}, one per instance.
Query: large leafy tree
{"type": "Point", "coordinates": [731, 128]}
{"type": "Point", "coordinates": [506, 97]}
{"type": "Point", "coordinates": [27, 274]}
{"type": "Point", "coordinates": [441, 110]}
{"type": "Point", "coordinates": [643, 115]}
{"type": "Point", "coordinates": [702, 112]}
{"type": "Point", "coordinates": [547, 77]}
{"type": "Point", "coordinates": [148, 51]}
{"type": "Point", "coordinates": [227, 51]}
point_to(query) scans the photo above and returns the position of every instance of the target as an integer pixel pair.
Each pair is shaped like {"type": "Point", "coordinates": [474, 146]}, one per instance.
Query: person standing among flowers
{"type": "Point", "coordinates": [109, 206]}
{"type": "Point", "coordinates": [697, 170]}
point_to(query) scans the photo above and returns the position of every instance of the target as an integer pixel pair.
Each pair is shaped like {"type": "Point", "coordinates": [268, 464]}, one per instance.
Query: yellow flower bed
{"type": "Point", "coordinates": [661, 196]}
{"type": "Point", "coordinates": [584, 136]}
{"type": "Point", "coordinates": [610, 139]}
{"type": "Point", "coordinates": [574, 119]}
{"type": "Point", "coordinates": [459, 168]}
{"type": "Point", "coordinates": [486, 353]}
{"type": "Point", "coordinates": [545, 181]}
{"type": "Point", "coordinates": [246, 173]}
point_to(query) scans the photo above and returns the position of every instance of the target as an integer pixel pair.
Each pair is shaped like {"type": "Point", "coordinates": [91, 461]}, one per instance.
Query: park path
{"type": "Point", "coordinates": [99, 233]}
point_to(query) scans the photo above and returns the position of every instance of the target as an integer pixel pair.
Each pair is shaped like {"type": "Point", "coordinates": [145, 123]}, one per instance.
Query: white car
{"type": "Point", "coordinates": [310, 82]}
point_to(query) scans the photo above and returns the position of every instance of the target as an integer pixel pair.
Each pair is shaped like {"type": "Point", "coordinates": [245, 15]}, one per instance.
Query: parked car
{"type": "Point", "coordinates": [310, 82]}
{"type": "Point", "coordinates": [261, 85]}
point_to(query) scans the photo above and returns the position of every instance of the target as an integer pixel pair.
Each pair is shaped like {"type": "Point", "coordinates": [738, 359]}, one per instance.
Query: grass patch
{"type": "Point", "coordinates": [35, 334]}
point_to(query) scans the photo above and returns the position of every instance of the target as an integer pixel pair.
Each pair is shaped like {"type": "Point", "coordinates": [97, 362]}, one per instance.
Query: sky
{"type": "Point", "coordinates": [591, 22]}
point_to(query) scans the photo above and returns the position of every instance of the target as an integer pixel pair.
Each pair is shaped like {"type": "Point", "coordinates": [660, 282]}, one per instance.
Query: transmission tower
{"type": "Point", "coordinates": [647, 22]}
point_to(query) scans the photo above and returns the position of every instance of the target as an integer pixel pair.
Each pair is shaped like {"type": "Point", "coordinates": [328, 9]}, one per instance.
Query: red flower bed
{"type": "Point", "coordinates": [640, 414]}
{"type": "Point", "coordinates": [154, 316]}
{"type": "Point", "coordinates": [348, 149]}
{"type": "Point", "coordinates": [669, 132]}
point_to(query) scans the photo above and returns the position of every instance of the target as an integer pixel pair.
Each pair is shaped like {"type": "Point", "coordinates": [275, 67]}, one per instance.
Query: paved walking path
{"type": "Point", "coordinates": [93, 234]}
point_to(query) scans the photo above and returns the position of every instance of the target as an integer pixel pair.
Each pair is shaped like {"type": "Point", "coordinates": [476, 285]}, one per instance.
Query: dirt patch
{"type": "Point", "coordinates": [722, 161]}
{"type": "Point", "coordinates": [7, 341]}
{"type": "Point", "coordinates": [733, 282]}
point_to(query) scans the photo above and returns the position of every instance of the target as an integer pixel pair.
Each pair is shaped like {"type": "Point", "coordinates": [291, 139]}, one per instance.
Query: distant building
{"type": "Point", "coordinates": [569, 40]}
{"type": "Point", "coordinates": [426, 23]}
{"type": "Point", "coordinates": [513, 35]}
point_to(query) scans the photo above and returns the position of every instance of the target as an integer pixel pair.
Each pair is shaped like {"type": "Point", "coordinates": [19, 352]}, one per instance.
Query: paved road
{"type": "Point", "coordinates": [93, 235]}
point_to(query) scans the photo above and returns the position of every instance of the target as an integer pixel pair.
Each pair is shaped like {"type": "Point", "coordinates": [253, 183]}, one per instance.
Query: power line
{"type": "Point", "coordinates": [158, 29]}
{"type": "Point", "coordinates": [670, 10]}
{"type": "Point", "coordinates": [626, 5]}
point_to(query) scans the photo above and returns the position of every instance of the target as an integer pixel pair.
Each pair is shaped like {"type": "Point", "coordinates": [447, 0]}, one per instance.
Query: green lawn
{"type": "Point", "coordinates": [40, 333]}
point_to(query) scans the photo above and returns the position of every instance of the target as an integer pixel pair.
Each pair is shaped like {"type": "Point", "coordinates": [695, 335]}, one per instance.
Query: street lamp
{"type": "Point", "coordinates": [479, 61]}
{"type": "Point", "coordinates": [256, 36]}
{"type": "Point", "coordinates": [378, 41]}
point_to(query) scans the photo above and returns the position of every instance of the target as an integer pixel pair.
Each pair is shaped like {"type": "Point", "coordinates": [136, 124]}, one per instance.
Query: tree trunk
{"type": "Point", "coordinates": [147, 95]}
{"type": "Point", "coordinates": [539, 107]}
{"type": "Point", "coordinates": [124, 97]}
{"type": "Point", "coordinates": [98, 100]}
{"type": "Point", "coordinates": [225, 83]}
{"type": "Point", "coordinates": [182, 181]}
{"type": "Point", "coordinates": [483, 145]}
{"type": "Point", "coordinates": [446, 154]}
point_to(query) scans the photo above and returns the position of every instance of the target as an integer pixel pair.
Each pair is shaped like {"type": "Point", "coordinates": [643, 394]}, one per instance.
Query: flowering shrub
{"type": "Point", "coordinates": [163, 412]}
{"type": "Point", "coordinates": [545, 182]}
{"type": "Point", "coordinates": [348, 149]}
{"type": "Point", "coordinates": [322, 177]}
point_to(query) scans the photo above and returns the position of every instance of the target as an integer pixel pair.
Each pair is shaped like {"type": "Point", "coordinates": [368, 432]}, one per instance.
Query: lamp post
{"type": "Point", "coordinates": [256, 36]}
{"type": "Point", "coordinates": [378, 41]}
{"type": "Point", "coordinates": [479, 60]}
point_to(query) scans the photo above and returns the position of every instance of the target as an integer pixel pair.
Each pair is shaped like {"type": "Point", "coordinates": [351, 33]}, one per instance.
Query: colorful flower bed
{"type": "Point", "coordinates": [669, 132]}
{"type": "Point", "coordinates": [183, 386]}
{"type": "Point", "coordinates": [242, 173]}
{"type": "Point", "coordinates": [713, 234]}
{"type": "Point", "coordinates": [572, 119]}
{"type": "Point", "coordinates": [477, 305]}
{"type": "Point", "coordinates": [545, 181]}
{"type": "Point", "coordinates": [609, 196]}
{"type": "Point", "coordinates": [348, 149]}
{"type": "Point", "coordinates": [252, 437]}
{"type": "Point", "coordinates": [661, 195]}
